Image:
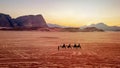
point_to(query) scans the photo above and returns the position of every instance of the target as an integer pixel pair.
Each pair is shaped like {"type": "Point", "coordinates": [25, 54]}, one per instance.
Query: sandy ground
{"type": "Point", "coordinates": [34, 49]}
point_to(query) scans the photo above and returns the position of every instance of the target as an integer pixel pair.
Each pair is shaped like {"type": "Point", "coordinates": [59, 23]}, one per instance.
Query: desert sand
{"type": "Point", "coordinates": [35, 49]}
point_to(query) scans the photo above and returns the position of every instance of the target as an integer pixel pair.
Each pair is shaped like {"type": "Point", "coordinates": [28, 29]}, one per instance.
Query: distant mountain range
{"type": "Point", "coordinates": [98, 26]}
{"type": "Point", "coordinates": [103, 27]}
{"type": "Point", "coordinates": [37, 22]}
{"type": "Point", "coordinates": [55, 25]}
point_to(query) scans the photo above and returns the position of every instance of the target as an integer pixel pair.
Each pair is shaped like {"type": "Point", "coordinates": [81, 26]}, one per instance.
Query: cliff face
{"type": "Point", "coordinates": [31, 21]}
{"type": "Point", "coordinates": [5, 20]}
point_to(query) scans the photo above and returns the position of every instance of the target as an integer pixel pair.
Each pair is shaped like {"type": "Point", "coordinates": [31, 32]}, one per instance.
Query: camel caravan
{"type": "Point", "coordinates": [70, 46]}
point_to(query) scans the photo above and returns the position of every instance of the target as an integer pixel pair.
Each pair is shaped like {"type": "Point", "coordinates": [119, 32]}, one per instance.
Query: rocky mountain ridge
{"type": "Point", "coordinates": [28, 21]}
{"type": "Point", "coordinates": [103, 27]}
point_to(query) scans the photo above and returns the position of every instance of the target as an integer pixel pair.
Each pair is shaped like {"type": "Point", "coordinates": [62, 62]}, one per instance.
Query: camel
{"type": "Point", "coordinates": [69, 46]}
{"type": "Point", "coordinates": [74, 46]}
{"type": "Point", "coordinates": [63, 46]}
{"type": "Point", "coordinates": [77, 46]}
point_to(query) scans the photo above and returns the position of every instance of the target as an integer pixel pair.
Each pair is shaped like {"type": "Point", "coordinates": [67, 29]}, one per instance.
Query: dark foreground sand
{"type": "Point", "coordinates": [34, 49]}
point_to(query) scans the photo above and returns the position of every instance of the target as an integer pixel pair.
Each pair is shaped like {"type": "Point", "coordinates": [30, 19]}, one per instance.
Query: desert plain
{"type": "Point", "coordinates": [36, 49]}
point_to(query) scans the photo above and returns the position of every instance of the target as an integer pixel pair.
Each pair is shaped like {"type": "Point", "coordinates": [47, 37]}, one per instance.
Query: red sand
{"type": "Point", "coordinates": [25, 49]}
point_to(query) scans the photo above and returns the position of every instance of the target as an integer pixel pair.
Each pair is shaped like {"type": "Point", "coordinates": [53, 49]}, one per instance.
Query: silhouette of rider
{"type": "Point", "coordinates": [63, 45]}
{"type": "Point", "coordinates": [69, 46]}
{"type": "Point", "coordinates": [75, 45]}
{"type": "Point", "coordinates": [79, 45]}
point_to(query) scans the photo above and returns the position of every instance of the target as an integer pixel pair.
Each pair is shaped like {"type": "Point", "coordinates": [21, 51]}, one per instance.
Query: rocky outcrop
{"type": "Point", "coordinates": [70, 29]}
{"type": "Point", "coordinates": [31, 21]}
{"type": "Point", "coordinates": [23, 22]}
{"type": "Point", "coordinates": [5, 20]}
{"type": "Point", "coordinates": [91, 29]}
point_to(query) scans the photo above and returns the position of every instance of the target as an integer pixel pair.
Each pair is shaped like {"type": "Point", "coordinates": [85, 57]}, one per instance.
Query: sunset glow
{"type": "Point", "coordinates": [66, 12]}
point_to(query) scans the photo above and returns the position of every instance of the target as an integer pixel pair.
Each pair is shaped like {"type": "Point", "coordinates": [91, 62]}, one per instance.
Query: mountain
{"type": "Point", "coordinates": [35, 22]}
{"type": "Point", "coordinates": [55, 25]}
{"type": "Point", "coordinates": [6, 20]}
{"type": "Point", "coordinates": [91, 29]}
{"type": "Point", "coordinates": [31, 21]}
{"type": "Point", "coordinates": [99, 25]}
{"type": "Point", "coordinates": [103, 27]}
{"type": "Point", "coordinates": [87, 29]}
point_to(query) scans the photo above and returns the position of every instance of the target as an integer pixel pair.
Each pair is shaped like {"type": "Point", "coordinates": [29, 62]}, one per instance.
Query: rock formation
{"type": "Point", "coordinates": [5, 20]}
{"type": "Point", "coordinates": [31, 21]}
{"type": "Point", "coordinates": [91, 29]}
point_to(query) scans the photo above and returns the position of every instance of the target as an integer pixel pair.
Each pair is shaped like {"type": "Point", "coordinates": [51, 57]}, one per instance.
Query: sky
{"type": "Point", "coordinates": [66, 12]}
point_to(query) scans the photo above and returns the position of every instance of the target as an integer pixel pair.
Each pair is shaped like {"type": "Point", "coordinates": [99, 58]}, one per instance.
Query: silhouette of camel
{"type": "Point", "coordinates": [79, 45]}
{"type": "Point", "coordinates": [63, 46]}
{"type": "Point", "coordinates": [69, 46]}
{"type": "Point", "coordinates": [74, 46]}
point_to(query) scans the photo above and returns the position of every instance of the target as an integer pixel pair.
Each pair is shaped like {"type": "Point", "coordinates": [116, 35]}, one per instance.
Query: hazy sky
{"type": "Point", "coordinates": [66, 12]}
